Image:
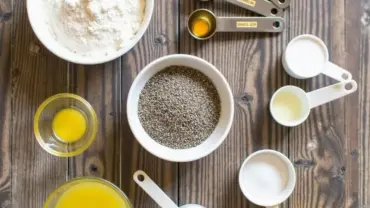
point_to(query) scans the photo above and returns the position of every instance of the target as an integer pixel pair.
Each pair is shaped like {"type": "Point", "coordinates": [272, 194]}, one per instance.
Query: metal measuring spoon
{"type": "Point", "coordinates": [233, 24]}
{"type": "Point", "coordinates": [263, 7]}
{"type": "Point", "coordinates": [156, 193]}
{"type": "Point", "coordinates": [282, 4]}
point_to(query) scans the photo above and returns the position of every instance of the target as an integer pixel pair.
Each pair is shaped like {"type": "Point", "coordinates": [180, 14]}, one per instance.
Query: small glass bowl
{"type": "Point", "coordinates": [53, 198]}
{"type": "Point", "coordinates": [43, 125]}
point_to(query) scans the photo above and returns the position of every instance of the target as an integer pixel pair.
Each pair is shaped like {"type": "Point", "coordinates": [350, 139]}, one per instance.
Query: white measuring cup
{"type": "Point", "coordinates": [307, 56]}
{"type": "Point", "coordinates": [156, 193]}
{"type": "Point", "coordinates": [290, 105]}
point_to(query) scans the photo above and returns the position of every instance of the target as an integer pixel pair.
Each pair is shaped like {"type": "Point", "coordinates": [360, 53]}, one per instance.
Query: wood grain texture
{"type": "Point", "coordinates": [5, 104]}
{"type": "Point", "coordinates": [325, 148]}
{"type": "Point", "coordinates": [360, 151]}
{"type": "Point", "coordinates": [251, 64]}
{"type": "Point", "coordinates": [100, 85]}
{"type": "Point", "coordinates": [317, 145]}
{"type": "Point", "coordinates": [160, 40]}
{"type": "Point", "coordinates": [330, 151]}
{"type": "Point", "coordinates": [36, 75]}
{"type": "Point", "coordinates": [116, 155]}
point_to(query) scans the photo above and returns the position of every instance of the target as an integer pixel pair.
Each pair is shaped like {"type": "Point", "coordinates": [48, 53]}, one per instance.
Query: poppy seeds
{"type": "Point", "coordinates": [179, 107]}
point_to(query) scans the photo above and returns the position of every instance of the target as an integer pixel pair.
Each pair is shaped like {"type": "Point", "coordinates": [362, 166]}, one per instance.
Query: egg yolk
{"type": "Point", "coordinates": [69, 125]}
{"type": "Point", "coordinates": [200, 27]}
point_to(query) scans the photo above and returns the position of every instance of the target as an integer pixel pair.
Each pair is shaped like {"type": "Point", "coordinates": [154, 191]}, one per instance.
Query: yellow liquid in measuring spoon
{"type": "Point", "coordinates": [69, 125]}
{"type": "Point", "coordinates": [91, 195]}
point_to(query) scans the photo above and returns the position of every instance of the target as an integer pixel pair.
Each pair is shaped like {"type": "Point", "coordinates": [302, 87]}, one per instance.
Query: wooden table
{"type": "Point", "coordinates": [331, 151]}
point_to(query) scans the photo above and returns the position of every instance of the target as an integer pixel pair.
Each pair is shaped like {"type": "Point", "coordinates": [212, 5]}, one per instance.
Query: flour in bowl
{"type": "Point", "coordinates": [94, 27]}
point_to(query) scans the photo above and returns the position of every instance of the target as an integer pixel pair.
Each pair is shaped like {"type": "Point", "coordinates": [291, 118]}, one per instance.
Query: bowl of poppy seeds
{"type": "Point", "coordinates": [180, 108]}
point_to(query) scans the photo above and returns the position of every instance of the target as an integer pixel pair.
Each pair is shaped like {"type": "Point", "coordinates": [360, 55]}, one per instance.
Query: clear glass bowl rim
{"type": "Point", "coordinates": [46, 103]}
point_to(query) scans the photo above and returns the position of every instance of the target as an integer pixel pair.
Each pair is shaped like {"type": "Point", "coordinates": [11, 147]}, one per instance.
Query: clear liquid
{"type": "Point", "coordinates": [287, 107]}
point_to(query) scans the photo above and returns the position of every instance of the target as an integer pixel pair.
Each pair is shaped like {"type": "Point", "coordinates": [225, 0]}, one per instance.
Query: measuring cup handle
{"type": "Point", "coordinates": [336, 72]}
{"type": "Point", "coordinates": [144, 181]}
{"type": "Point", "coordinates": [330, 93]}
{"type": "Point", "coordinates": [250, 24]}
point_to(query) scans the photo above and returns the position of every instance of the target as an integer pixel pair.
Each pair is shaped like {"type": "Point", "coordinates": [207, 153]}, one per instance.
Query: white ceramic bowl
{"type": "Point", "coordinates": [37, 16]}
{"type": "Point", "coordinates": [222, 128]}
{"type": "Point", "coordinates": [278, 161]}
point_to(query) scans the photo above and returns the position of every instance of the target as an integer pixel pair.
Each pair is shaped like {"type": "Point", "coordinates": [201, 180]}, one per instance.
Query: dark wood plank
{"type": "Point", "coordinates": [5, 104]}
{"type": "Point", "coordinates": [322, 148]}
{"type": "Point", "coordinates": [159, 40]}
{"type": "Point", "coordinates": [115, 155]}
{"type": "Point", "coordinates": [251, 64]}
{"type": "Point", "coordinates": [101, 86]}
{"type": "Point", "coordinates": [316, 146]}
{"type": "Point", "coordinates": [36, 75]}
{"type": "Point", "coordinates": [359, 60]}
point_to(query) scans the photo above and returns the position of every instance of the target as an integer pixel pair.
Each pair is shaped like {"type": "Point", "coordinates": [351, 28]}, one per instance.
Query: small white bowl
{"type": "Point", "coordinates": [37, 16]}
{"type": "Point", "coordinates": [266, 161]}
{"type": "Point", "coordinates": [222, 128]}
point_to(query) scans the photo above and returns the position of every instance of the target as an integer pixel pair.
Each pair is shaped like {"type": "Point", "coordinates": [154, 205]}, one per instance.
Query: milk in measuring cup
{"type": "Point", "coordinates": [306, 56]}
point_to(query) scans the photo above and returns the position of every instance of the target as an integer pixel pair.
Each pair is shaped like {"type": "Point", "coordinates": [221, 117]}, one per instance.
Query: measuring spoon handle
{"type": "Point", "coordinates": [281, 4]}
{"type": "Point", "coordinates": [336, 72]}
{"type": "Point", "coordinates": [147, 184]}
{"type": "Point", "coordinates": [250, 24]}
{"type": "Point", "coordinates": [263, 7]}
{"type": "Point", "coordinates": [330, 93]}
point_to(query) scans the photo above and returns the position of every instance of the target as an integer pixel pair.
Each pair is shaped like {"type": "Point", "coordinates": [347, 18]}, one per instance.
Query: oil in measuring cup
{"type": "Point", "coordinates": [290, 106]}
{"type": "Point", "coordinates": [287, 106]}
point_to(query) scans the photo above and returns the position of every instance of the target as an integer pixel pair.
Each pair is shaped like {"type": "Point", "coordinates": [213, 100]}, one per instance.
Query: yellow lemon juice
{"type": "Point", "coordinates": [69, 125]}
{"type": "Point", "coordinates": [91, 195]}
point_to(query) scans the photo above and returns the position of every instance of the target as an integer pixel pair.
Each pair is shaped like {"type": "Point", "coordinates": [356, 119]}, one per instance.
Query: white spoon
{"type": "Point", "coordinates": [148, 185]}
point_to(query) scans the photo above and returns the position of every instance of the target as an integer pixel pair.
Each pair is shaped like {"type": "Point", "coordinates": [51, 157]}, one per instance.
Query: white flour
{"type": "Point", "coordinates": [94, 27]}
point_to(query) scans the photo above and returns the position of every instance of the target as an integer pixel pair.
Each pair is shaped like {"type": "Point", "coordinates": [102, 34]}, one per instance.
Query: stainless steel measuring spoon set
{"type": "Point", "coordinates": [307, 56]}
{"type": "Point", "coordinates": [272, 22]}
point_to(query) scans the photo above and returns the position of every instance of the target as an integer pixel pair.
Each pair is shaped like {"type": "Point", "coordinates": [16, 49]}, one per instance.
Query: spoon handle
{"type": "Point", "coordinates": [281, 4]}
{"type": "Point", "coordinates": [263, 7]}
{"type": "Point", "coordinates": [250, 24]}
{"type": "Point", "coordinates": [148, 185]}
